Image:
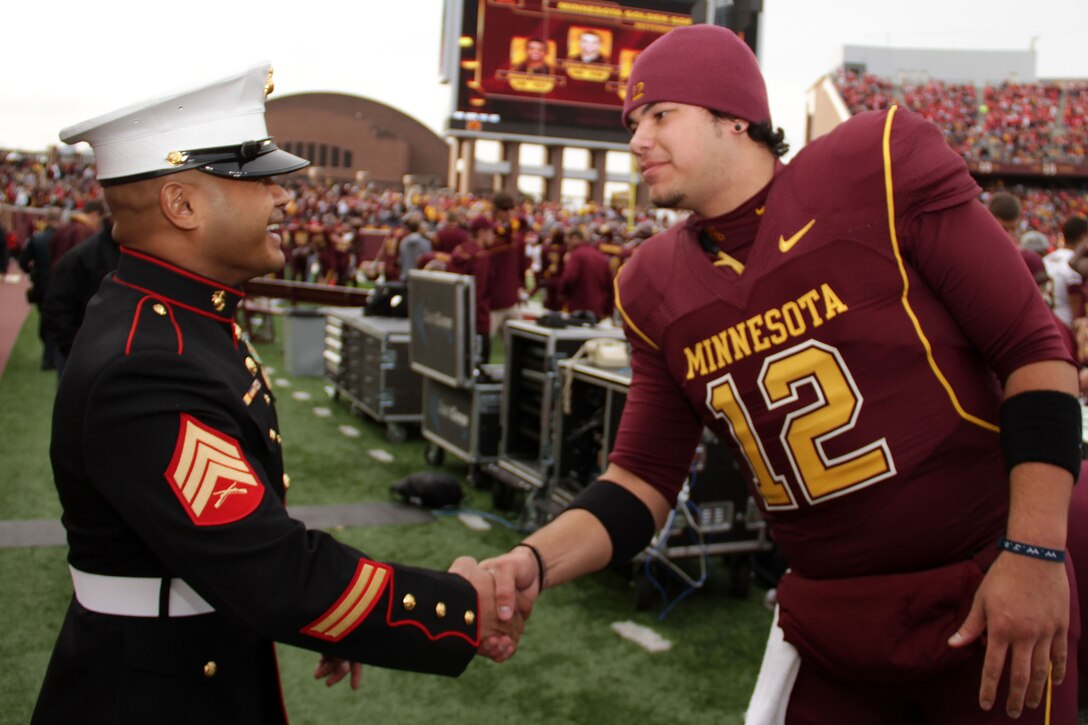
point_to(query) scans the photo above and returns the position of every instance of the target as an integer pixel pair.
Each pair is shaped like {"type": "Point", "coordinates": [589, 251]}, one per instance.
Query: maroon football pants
{"type": "Point", "coordinates": [948, 699]}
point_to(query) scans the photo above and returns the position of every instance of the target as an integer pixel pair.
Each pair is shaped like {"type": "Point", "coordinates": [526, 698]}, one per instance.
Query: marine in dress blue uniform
{"type": "Point", "coordinates": [167, 457]}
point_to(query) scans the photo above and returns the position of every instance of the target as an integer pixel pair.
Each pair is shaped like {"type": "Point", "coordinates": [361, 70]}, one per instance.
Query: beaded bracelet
{"type": "Point", "coordinates": [539, 563]}
{"type": "Point", "coordinates": [1037, 552]}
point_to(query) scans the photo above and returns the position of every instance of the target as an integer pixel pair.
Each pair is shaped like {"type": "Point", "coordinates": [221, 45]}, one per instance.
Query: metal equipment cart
{"type": "Point", "coordinates": [461, 397]}
{"type": "Point", "coordinates": [366, 360]}
{"type": "Point", "coordinates": [526, 451]}
{"type": "Point", "coordinates": [714, 515]}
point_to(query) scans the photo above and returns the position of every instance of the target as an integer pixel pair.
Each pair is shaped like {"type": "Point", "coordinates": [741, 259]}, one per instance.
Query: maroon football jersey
{"type": "Point", "coordinates": [849, 344]}
{"type": "Point", "coordinates": [469, 258]}
{"type": "Point", "coordinates": [586, 283]}
{"type": "Point", "coordinates": [508, 263]}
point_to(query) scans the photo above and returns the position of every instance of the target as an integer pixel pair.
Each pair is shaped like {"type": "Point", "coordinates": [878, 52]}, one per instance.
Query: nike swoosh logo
{"type": "Point", "coordinates": [785, 245]}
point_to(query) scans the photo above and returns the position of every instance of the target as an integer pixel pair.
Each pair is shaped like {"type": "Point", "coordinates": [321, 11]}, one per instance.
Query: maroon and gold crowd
{"type": "Point", "coordinates": [1011, 123]}
{"type": "Point", "coordinates": [344, 234]}
{"type": "Point", "coordinates": [341, 233]}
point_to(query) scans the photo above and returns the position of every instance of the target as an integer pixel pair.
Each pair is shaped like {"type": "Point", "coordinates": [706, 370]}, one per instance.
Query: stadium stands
{"type": "Point", "coordinates": [1030, 139]}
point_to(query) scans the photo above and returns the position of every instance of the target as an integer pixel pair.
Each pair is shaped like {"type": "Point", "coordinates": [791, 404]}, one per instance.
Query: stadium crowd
{"type": "Point", "coordinates": [345, 234]}
{"type": "Point", "coordinates": [1012, 123]}
{"type": "Point", "coordinates": [1009, 123]}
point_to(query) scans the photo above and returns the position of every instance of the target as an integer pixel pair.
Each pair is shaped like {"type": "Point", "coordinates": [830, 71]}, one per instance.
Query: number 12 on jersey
{"type": "Point", "coordinates": [804, 431]}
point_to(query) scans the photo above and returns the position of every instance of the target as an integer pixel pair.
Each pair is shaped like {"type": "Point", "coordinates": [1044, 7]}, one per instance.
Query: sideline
{"type": "Point", "coordinates": [13, 311]}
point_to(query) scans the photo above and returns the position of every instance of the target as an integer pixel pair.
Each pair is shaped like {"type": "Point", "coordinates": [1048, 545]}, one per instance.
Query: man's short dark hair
{"type": "Point", "coordinates": [503, 201]}
{"type": "Point", "coordinates": [1075, 228]}
{"type": "Point", "coordinates": [1005, 206]}
{"type": "Point", "coordinates": [94, 206]}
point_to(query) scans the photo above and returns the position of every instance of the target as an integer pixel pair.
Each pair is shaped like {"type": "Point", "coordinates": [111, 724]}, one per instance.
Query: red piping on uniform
{"type": "Point", "coordinates": [388, 587]}
{"type": "Point", "coordinates": [136, 322]}
{"type": "Point", "coordinates": [433, 637]}
{"type": "Point", "coordinates": [152, 293]}
{"type": "Point", "coordinates": [179, 270]}
{"type": "Point", "coordinates": [177, 329]}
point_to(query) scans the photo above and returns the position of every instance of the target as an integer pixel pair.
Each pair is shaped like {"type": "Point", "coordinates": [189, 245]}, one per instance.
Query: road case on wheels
{"type": "Point", "coordinates": [442, 312]}
{"type": "Point", "coordinates": [366, 360]}
{"type": "Point", "coordinates": [463, 422]}
{"type": "Point", "coordinates": [533, 351]}
{"type": "Point", "coordinates": [714, 515]}
{"type": "Point", "coordinates": [461, 396]}
{"type": "Point", "coordinates": [588, 409]}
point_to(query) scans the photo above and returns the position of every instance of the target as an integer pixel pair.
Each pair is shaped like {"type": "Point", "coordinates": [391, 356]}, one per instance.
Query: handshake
{"type": "Point", "coordinates": [506, 588]}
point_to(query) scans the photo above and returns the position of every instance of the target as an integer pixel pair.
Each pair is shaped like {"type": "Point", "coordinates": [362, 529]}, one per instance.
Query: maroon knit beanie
{"type": "Point", "coordinates": [700, 65]}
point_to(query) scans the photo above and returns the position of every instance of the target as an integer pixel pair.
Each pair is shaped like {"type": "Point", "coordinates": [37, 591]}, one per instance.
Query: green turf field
{"type": "Point", "coordinates": [572, 667]}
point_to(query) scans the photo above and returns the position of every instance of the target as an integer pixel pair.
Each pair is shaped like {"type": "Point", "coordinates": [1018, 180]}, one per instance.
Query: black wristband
{"type": "Point", "coordinates": [1042, 426]}
{"type": "Point", "coordinates": [539, 563]}
{"type": "Point", "coordinates": [628, 521]}
{"type": "Point", "coordinates": [1036, 552]}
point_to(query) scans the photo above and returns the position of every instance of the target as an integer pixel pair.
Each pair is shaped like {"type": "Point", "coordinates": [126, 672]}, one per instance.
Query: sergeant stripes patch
{"type": "Point", "coordinates": [211, 476]}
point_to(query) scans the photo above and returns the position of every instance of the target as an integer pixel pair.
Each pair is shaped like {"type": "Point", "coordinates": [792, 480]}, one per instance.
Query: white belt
{"type": "Point", "coordinates": [130, 596]}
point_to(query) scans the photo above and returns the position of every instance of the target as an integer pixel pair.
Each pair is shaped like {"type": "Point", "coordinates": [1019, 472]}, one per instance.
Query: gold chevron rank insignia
{"type": "Point", "coordinates": [211, 476]}
{"type": "Point", "coordinates": [362, 593]}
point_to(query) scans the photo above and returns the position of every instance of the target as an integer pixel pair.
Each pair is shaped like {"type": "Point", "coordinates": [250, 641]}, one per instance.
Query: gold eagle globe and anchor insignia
{"type": "Point", "coordinates": [176, 158]}
{"type": "Point", "coordinates": [219, 300]}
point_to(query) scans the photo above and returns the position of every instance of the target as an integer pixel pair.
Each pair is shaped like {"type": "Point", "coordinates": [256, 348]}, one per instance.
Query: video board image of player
{"type": "Point", "coordinates": [532, 65]}
{"type": "Point", "coordinates": [532, 55]}
{"type": "Point", "coordinates": [589, 51]}
{"type": "Point", "coordinates": [589, 45]}
{"type": "Point", "coordinates": [554, 67]}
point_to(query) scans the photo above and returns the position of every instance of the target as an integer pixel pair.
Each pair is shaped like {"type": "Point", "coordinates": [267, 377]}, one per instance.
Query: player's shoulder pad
{"type": "Point", "coordinates": [643, 279]}
{"type": "Point", "coordinates": [927, 173]}
{"type": "Point", "coordinates": [850, 164]}
{"type": "Point", "coordinates": [842, 166]}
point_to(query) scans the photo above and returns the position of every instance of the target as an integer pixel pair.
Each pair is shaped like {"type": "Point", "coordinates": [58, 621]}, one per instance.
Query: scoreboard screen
{"type": "Point", "coordinates": [553, 68]}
